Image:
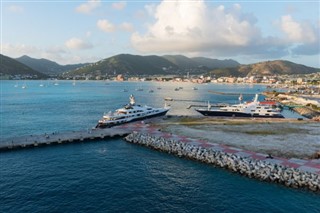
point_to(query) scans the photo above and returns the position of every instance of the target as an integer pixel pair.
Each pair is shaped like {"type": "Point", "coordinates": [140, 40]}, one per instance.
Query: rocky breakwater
{"type": "Point", "coordinates": [252, 168]}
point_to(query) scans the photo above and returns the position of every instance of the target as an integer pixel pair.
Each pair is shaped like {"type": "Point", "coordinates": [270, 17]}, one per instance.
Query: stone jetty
{"type": "Point", "coordinates": [252, 168]}
{"type": "Point", "coordinates": [29, 141]}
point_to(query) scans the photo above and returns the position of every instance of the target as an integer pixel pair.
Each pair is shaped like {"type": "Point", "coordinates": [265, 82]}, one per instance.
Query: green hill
{"type": "Point", "coordinates": [266, 68]}
{"type": "Point", "coordinates": [128, 64]}
{"type": "Point", "coordinates": [46, 66]}
{"type": "Point", "coordinates": [185, 62]}
{"type": "Point", "coordinates": [11, 67]}
{"type": "Point", "coordinates": [181, 61]}
{"type": "Point", "coordinates": [215, 63]}
{"type": "Point", "coordinates": [151, 65]}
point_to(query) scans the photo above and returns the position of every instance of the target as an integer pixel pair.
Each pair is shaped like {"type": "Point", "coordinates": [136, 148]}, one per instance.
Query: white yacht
{"type": "Point", "coordinates": [130, 112]}
{"type": "Point", "coordinates": [246, 109]}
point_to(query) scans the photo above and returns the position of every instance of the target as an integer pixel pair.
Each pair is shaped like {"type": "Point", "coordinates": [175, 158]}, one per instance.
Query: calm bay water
{"type": "Point", "coordinates": [114, 176]}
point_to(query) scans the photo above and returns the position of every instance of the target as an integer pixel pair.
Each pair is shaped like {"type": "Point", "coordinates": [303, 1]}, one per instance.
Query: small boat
{"type": "Point", "coordinates": [125, 90]}
{"type": "Point", "coordinates": [176, 89]}
{"type": "Point", "coordinates": [139, 89]}
{"type": "Point", "coordinates": [151, 91]}
{"type": "Point", "coordinates": [129, 113]}
{"type": "Point", "coordinates": [194, 88]}
{"type": "Point", "coordinates": [247, 109]}
{"type": "Point", "coordinates": [24, 86]}
{"type": "Point", "coordinates": [56, 83]}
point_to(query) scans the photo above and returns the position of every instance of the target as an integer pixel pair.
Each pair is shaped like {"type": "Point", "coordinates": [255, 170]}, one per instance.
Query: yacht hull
{"type": "Point", "coordinates": [108, 125]}
{"type": "Point", "coordinates": [235, 114]}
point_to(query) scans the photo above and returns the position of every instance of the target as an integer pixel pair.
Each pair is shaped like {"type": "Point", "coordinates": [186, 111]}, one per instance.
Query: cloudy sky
{"type": "Point", "coordinates": [87, 31]}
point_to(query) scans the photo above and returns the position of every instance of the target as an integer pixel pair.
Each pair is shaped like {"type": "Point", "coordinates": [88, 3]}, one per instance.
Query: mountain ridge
{"type": "Point", "coordinates": [265, 68]}
{"type": "Point", "coordinates": [11, 67]}
{"type": "Point", "coordinates": [47, 66]}
{"type": "Point", "coordinates": [128, 64]}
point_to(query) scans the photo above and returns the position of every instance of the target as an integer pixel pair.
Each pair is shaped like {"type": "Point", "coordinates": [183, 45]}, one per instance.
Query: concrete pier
{"type": "Point", "coordinates": [59, 138]}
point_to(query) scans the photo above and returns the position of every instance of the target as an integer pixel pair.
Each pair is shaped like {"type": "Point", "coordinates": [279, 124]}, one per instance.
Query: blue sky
{"type": "Point", "coordinates": [87, 31]}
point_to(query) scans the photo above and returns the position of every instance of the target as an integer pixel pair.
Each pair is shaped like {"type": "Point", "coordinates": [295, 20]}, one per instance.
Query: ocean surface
{"type": "Point", "coordinates": [115, 176]}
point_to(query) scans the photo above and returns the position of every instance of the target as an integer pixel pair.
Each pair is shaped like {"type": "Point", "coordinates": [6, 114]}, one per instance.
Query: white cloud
{"type": "Point", "coordinates": [55, 50]}
{"type": "Point", "coordinates": [109, 27]}
{"type": "Point", "coordinates": [88, 7]}
{"type": "Point", "coordinates": [58, 54]}
{"type": "Point", "coordinates": [78, 44]}
{"type": "Point", "coordinates": [106, 25]}
{"type": "Point", "coordinates": [191, 26]}
{"type": "Point", "coordinates": [298, 32]}
{"type": "Point", "coordinates": [119, 5]}
{"type": "Point", "coordinates": [15, 9]}
{"type": "Point", "coordinates": [125, 26]}
{"type": "Point", "coordinates": [54, 53]}
{"type": "Point", "coordinates": [17, 50]}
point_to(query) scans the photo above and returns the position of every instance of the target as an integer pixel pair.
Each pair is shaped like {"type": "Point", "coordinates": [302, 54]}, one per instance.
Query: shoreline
{"type": "Point", "coordinates": [293, 172]}
{"type": "Point", "coordinates": [259, 167]}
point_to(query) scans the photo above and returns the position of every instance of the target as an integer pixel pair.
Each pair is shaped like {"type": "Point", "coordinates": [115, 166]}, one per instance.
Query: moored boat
{"type": "Point", "coordinates": [130, 112]}
{"type": "Point", "coordinates": [247, 109]}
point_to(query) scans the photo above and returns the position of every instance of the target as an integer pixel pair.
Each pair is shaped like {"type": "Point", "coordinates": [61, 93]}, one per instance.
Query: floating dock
{"type": "Point", "coordinates": [63, 137]}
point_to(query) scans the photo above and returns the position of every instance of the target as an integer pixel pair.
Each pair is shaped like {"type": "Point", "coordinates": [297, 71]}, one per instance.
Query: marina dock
{"type": "Point", "coordinates": [63, 137]}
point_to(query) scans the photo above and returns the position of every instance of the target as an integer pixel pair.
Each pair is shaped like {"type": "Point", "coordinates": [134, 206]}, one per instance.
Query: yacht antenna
{"type": "Point", "coordinates": [240, 98]}
{"type": "Point", "coordinates": [132, 101]}
{"type": "Point", "coordinates": [256, 98]}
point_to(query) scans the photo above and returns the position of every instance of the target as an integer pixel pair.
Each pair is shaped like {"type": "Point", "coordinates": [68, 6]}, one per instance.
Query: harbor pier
{"type": "Point", "coordinates": [29, 141]}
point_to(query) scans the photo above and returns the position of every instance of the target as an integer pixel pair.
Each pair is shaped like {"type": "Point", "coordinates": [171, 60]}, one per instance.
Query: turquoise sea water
{"type": "Point", "coordinates": [112, 175]}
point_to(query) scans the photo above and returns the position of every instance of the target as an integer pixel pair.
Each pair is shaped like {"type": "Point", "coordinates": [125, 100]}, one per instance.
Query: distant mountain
{"type": "Point", "coordinates": [150, 65]}
{"type": "Point", "coordinates": [181, 61]}
{"type": "Point", "coordinates": [46, 66]}
{"type": "Point", "coordinates": [185, 62]}
{"type": "Point", "coordinates": [266, 68]}
{"type": "Point", "coordinates": [127, 64]}
{"type": "Point", "coordinates": [215, 63]}
{"type": "Point", "coordinates": [10, 66]}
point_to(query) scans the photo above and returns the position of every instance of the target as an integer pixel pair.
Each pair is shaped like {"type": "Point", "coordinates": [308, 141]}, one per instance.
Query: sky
{"type": "Point", "coordinates": [70, 32]}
